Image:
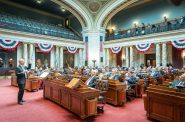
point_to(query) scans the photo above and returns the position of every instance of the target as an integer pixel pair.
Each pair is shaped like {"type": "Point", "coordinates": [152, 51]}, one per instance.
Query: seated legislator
{"type": "Point", "coordinates": [156, 74]}
{"type": "Point", "coordinates": [91, 82]}
{"type": "Point", "coordinates": [103, 74]}
{"type": "Point", "coordinates": [179, 83]}
{"type": "Point", "coordinates": [114, 75]}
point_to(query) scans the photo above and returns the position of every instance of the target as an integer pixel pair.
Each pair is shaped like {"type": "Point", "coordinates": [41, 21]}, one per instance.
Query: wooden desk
{"type": "Point", "coordinates": [165, 104]}
{"type": "Point", "coordinates": [33, 83]}
{"type": "Point", "coordinates": [140, 88]}
{"type": "Point", "coordinates": [116, 93]}
{"type": "Point", "coordinates": [82, 102]}
{"type": "Point", "coordinates": [14, 80]}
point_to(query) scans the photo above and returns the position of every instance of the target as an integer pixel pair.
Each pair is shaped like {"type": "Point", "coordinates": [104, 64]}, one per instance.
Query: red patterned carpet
{"type": "Point", "coordinates": [37, 109]}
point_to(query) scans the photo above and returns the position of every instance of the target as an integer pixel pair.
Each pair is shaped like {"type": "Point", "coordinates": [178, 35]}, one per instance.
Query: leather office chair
{"type": "Point", "coordinates": [103, 86]}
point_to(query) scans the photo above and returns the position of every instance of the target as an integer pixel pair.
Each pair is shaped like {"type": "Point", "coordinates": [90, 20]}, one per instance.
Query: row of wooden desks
{"type": "Point", "coordinates": [81, 101]}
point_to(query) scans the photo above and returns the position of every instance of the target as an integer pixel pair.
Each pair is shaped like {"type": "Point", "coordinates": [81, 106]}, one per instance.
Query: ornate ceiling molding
{"type": "Point", "coordinates": [110, 10]}
{"type": "Point", "coordinates": [118, 9]}
{"type": "Point", "coordinates": [78, 10]}
{"type": "Point", "coordinates": [94, 6]}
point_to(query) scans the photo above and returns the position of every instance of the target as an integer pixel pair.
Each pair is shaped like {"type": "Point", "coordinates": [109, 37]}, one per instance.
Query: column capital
{"type": "Point", "coordinates": [98, 31]}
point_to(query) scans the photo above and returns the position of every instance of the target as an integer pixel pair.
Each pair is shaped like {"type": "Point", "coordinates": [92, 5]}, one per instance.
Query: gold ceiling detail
{"type": "Point", "coordinates": [94, 6]}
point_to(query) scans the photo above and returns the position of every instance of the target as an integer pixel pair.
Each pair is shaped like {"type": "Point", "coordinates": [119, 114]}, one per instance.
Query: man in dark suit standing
{"type": "Point", "coordinates": [22, 75]}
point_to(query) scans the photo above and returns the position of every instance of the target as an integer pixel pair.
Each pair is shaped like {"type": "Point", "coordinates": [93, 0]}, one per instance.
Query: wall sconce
{"type": "Point", "coordinates": [165, 16]}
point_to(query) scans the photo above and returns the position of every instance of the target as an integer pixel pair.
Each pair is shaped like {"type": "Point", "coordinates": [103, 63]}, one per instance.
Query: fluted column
{"type": "Point", "coordinates": [19, 53]}
{"type": "Point", "coordinates": [57, 57]}
{"type": "Point", "coordinates": [61, 60]}
{"type": "Point", "coordinates": [123, 56]}
{"type": "Point", "coordinates": [25, 53]}
{"type": "Point", "coordinates": [108, 57]}
{"type": "Point", "coordinates": [52, 58]}
{"type": "Point", "coordinates": [76, 59]}
{"type": "Point", "coordinates": [84, 56]}
{"type": "Point", "coordinates": [126, 57]}
{"type": "Point", "coordinates": [104, 57]}
{"type": "Point", "coordinates": [80, 57]}
{"type": "Point", "coordinates": [32, 56]}
{"type": "Point", "coordinates": [158, 55]}
{"type": "Point", "coordinates": [131, 57]}
{"type": "Point", "coordinates": [164, 58]}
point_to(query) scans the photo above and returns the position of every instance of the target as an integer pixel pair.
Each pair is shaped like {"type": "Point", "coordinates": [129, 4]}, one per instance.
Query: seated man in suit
{"type": "Point", "coordinates": [114, 75]}
{"type": "Point", "coordinates": [91, 82]}
{"type": "Point", "coordinates": [103, 74]}
{"type": "Point", "coordinates": [22, 75]}
{"type": "Point", "coordinates": [156, 74]}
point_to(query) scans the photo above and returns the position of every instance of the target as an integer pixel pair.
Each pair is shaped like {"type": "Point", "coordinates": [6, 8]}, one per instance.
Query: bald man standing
{"type": "Point", "coordinates": [22, 75]}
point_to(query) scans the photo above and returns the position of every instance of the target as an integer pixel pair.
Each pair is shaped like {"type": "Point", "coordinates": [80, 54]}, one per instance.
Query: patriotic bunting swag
{"type": "Point", "coordinates": [72, 50]}
{"type": "Point", "coordinates": [179, 44]}
{"type": "Point", "coordinates": [143, 47]}
{"type": "Point", "coordinates": [8, 44]}
{"type": "Point", "coordinates": [115, 50]}
{"type": "Point", "coordinates": [45, 48]}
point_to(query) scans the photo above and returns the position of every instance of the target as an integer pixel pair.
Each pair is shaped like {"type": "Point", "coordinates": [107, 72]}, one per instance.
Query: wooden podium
{"type": "Point", "coordinates": [165, 104]}
{"type": "Point", "coordinates": [81, 101]}
{"type": "Point", "coordinates": [33, 83]}
{"type": "Point", "coordinates": [116, 93]}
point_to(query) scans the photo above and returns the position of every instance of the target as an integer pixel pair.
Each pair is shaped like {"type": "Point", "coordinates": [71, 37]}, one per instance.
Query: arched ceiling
{"type": "Point", "coordinates": [97, 13]}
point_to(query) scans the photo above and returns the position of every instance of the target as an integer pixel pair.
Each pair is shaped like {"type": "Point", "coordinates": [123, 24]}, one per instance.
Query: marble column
{"type": "Point", "coordinates": [123, 56]}
{"type": "Point", "coordinates": [32, 56]}
{"type": "Point", "coordinates": [25, 53]}
{"type": "Point", "coordinates": [158, 52]}
{"type": "Point", "coordinates": [169, 54]}
{"type": "Point", "coordinates": [84, 56]}
{"type": "Point", "coordinates": [76, 60]}
{"type": "Point", "coordinates": [80, 57]}
{"type": "Point", "coordinates": [127, 57]}
{"type": "Point", "coordinates": [107, 57]}
{"type": "Point", "coordinates": [52, 58]}
{"type": "Point", "coordinates": [19, 53]}
{"type": "Point", "coordinates": [104, 57]}
{"type": "Point", "coordinates": [164, 57]}
{"type": "Point", "coordinates": [61, 60]}
{"type": "Point", "coordinates": [57, 57]}
{"type": "Point", "coordinates": [93, 50]}
{"type": "Point", "coordinates": [131, 57]}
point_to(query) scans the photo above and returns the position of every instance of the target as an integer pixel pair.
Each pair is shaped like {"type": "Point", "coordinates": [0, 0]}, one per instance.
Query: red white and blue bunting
{"type": "Point", "coordinates": [45, 48]}
{"type": "Point", "coordinates": [115, 50]}
{"type": "Point", "coordinates": [7, 44]}
{"type": "Point", "coordinates": [72, 49]}
{"type": "Point", "coordinates": [180, 44]}
{"type": "Point", "coordinates": [143, 47]}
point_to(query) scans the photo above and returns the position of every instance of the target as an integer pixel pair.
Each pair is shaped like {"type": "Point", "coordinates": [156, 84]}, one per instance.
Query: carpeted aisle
{"type": "Point", "coordinates": [37, 109]}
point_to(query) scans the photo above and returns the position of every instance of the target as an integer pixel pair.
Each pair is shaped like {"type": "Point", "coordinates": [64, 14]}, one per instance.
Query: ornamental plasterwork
{"type": "Point", "coordinates": [94, 6]}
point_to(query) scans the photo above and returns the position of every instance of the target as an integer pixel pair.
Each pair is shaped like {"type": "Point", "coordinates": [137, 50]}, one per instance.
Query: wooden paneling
{"type": "Point", "coordinates": [82, 102]}
{"type": "Point", "coordinates": [165, 104]}
{"type": "Point", "coordinates": [116, 93]}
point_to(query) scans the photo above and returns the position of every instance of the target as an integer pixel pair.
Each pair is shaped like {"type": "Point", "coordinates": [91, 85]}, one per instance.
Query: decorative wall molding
{"type": "Point", "coordinates": [151, 38]}
{"type": "Point", "coordinates": [35, 38]}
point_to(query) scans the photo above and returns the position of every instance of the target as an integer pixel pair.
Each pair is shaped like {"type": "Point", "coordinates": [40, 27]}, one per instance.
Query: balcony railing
{"type": "Point", "coordinates": [149, 29]}
{"type": "Point", "coordinates": [12, 22]}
